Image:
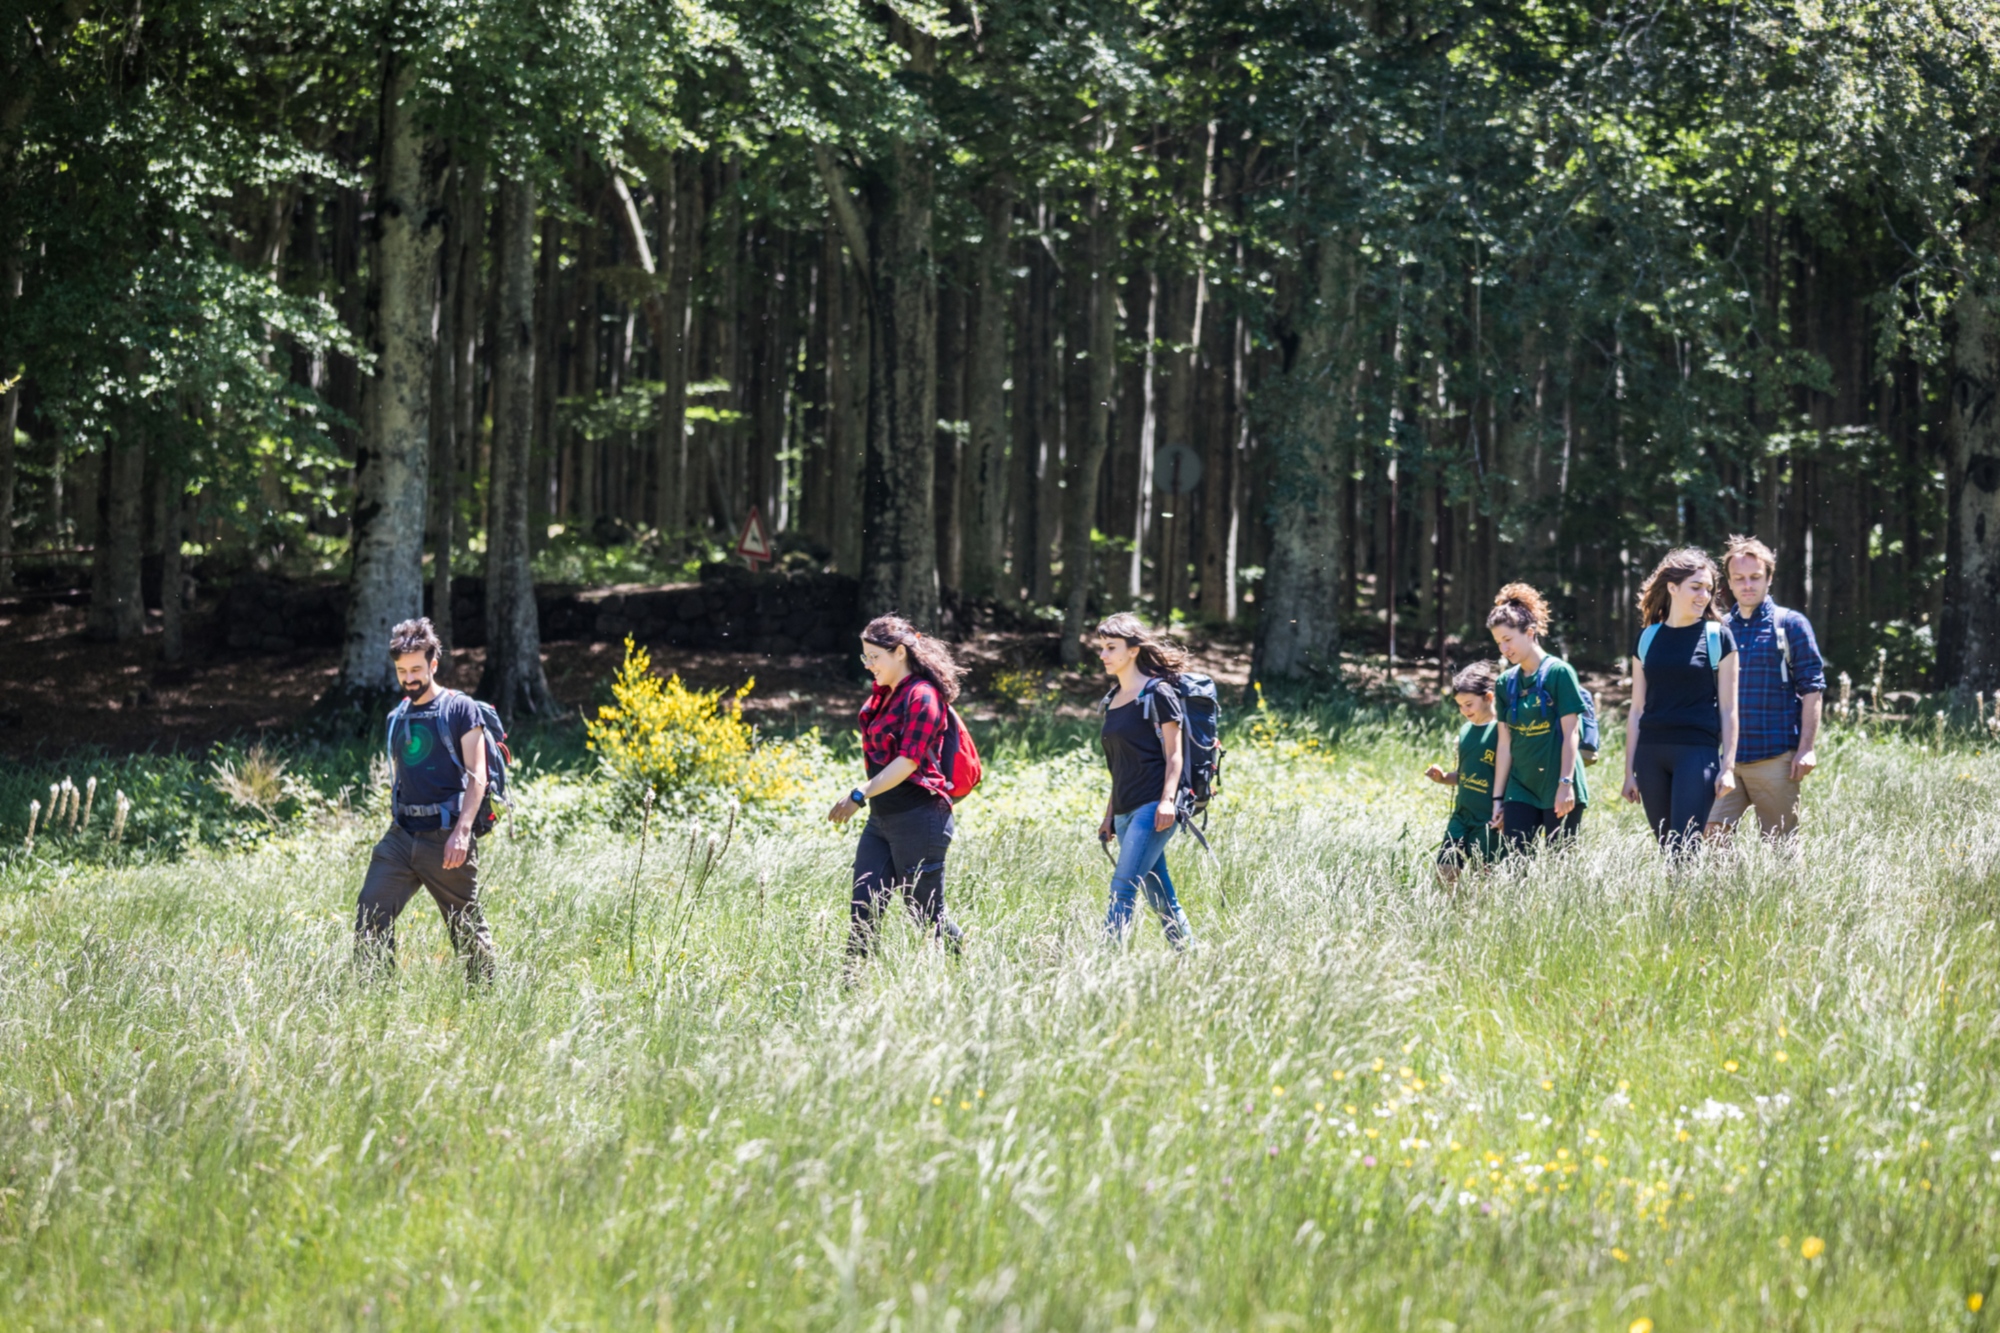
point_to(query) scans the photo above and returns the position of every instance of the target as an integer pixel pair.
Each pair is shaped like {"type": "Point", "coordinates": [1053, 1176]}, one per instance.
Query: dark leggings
{"type": "Point", "coordinates": [1677, 785]}
{"type": "Point", "coordinates": [903, 850]}
{"type": "Point", "coordinates": [1521, 821]}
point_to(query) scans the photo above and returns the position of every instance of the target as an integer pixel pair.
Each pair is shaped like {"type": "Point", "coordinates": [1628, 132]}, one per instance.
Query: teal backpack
{"type": "Point", "coordinates": [1713, 630]}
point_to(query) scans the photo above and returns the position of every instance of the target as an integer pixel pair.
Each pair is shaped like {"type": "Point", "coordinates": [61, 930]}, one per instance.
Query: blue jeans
{"type": "Point", "coordinates": [1142, 866]}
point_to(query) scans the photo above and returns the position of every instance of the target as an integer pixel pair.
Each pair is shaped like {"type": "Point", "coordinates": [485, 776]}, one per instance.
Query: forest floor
{"type": "Point", "coordinates": [59, 690]}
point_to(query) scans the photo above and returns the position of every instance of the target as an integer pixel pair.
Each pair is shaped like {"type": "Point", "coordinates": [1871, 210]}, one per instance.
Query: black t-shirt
{"type": "Point", "coordinates": [1683, 703]}
{"type": "Point", "coordinates": [1132, 746]}
{"type": "Point", "coordinates": [425, 772]}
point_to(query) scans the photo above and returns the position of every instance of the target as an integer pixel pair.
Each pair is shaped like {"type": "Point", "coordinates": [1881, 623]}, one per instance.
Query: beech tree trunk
{"type": "Point", "coordinates": [984, 498]}
{"type": "Point", "coordinates": [444, 433]}
{"type": "Point", "coordinates": [10, 412]}
{"type": "Point", "coordinates": [116, 611]}
{"type": "Point", "coordinates": [1972, 426]}
{"type": "Point", "coordinates": [10, 408]}
{"type": "Point", "coordinates": [392, 462]}
{"type": "Point", "coordinates": [1087, 460]}
{"type": "Point", "coordinates": [514, 682]}
{"type": "Point", "coordinates": [679, 192]}
{"type": "Point", "coordinates": [1299, 630]}
{"type": "Point", "coordinates": [171, 519]}
{"type": "Point", "coordinates": [898, 538]}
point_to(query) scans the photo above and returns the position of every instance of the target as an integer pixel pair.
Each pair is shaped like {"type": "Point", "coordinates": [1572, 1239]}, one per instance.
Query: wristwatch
{"type": "Point", "coordinates": [1565, 782]}
{"type": "Point", "coordinates": [857, 797]}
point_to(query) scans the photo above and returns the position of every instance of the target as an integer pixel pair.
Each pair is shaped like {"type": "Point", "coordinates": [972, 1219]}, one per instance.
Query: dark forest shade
{"type": "Point", "coordinates": [1437, 302]}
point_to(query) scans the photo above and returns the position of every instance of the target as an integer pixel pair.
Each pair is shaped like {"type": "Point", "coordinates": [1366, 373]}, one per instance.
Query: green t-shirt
{"type": "Point", "coordinates": [1474, 804]}
{"type": "Point", "coordinates": [1534, 726]}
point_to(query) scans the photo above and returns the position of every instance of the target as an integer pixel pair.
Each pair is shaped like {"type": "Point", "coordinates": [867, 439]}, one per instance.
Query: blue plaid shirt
{"type": "Point", "coordinates": [1767, 705]}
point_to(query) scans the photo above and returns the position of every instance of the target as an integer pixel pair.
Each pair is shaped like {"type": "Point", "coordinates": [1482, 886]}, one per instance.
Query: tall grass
{"type": "Point", "coordinates": [1571, 1095]}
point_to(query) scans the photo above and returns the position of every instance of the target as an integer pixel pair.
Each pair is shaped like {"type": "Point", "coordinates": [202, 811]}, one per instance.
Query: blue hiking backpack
{"type": "Point", "coordinates": [498, 757]}
{"type": "Point", "coordinates": [1201, 728]}
{"type": "Point", "coordinates": [1586, 727]}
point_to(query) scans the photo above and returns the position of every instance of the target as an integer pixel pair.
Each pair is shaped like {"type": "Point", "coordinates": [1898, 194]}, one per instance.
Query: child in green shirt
{"type": "Point", "coordinates": [1468, 839]}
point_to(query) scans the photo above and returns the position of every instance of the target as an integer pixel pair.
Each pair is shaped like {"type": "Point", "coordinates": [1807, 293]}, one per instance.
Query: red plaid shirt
{"type": "Point", "coordinates": [906, 722]}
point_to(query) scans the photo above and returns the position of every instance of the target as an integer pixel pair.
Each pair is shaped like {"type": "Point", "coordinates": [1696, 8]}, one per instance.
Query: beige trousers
{"type": "Point", "coordinates": [1768, 786]}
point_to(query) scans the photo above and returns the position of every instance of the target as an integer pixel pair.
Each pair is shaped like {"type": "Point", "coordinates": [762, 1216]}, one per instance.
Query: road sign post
{"type": "Point", "coordinates": [754, 545]}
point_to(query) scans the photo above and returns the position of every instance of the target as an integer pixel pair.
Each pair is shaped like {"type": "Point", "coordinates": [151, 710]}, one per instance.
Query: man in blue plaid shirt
{"type": "Point", "coordinates": [1781, 682]}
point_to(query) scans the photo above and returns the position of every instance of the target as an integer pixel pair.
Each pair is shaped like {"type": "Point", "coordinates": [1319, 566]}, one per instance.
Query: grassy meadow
{"type": "Point", "coordinates": [1580, 1094]}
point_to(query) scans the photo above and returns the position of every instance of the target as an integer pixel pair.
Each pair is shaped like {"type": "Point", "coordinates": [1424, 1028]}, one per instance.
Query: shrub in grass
{"type": "Point", "coordinates": [659, 735]}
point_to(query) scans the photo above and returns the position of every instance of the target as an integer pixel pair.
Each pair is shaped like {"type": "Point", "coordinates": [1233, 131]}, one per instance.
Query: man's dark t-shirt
{"type": "Point", "coordinates": [425, 772]}
{"type": "Point", "coordinates": [1682, 691]}
{"type": "Point", "coordinates": [1132, 748]}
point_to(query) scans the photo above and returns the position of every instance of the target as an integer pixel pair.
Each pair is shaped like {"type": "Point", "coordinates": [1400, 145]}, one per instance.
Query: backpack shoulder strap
{"type": "Point", "coordinates": [457, 759]}
{"type": "Point", "coordinates": [396, 714]}
{"type": "Point", "coordinates": [1713, 632]}
{"type": "Point", "coordinates": [1778, 614]}
{"type": "Point", "coordinates": [1646, 637]}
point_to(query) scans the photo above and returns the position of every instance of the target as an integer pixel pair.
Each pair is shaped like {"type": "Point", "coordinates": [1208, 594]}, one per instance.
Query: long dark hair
{"type": "Point", "coordinates": [929, 659]}
{"type": "Point", "coordinates": [1158, 655]}
{"type": "Point", "coordinates": [1674, 569]}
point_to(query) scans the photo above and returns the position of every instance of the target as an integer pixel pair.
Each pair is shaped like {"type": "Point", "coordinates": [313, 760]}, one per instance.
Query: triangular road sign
{"type": "Point", "coordinates": [754, 545]}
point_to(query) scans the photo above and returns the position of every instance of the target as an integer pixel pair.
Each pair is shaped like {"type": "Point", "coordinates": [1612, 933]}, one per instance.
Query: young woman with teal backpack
{"type": "Point", "coordinates": [1680, 738]}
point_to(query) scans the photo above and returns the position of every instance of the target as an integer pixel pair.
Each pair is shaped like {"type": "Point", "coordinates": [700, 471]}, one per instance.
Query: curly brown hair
{"type": "Point", "coordinates": [415, 636]}
{"type": "Point", "coordinates": [1674, 569]}
{"type": "Point", "coordinates": [1158, 655]}
{"type": "Point", "coordinates": [929, 659]}
{"type": "Point", "coordinates": [1519, 607]}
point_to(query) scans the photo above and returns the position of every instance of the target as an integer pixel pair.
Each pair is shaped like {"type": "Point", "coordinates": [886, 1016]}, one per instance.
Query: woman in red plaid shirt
{"type": "Point", "coordinates": [909, 827]}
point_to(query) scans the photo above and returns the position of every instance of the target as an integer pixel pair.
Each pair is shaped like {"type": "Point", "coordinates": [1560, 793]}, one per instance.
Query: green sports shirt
{"type": "Point", "coordinates": [1534, 726]}
{"type": "Point", "coordinates": [1476, 746]}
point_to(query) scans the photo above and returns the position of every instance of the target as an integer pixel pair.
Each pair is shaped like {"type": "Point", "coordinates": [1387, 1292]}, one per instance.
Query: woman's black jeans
{"type": "Point", "coordinates": [903, 850]}
{"type": "Point", "coordinates": [1677, 786]}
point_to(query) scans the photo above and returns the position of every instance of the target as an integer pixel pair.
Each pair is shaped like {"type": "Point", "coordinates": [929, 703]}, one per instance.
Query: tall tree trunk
{"type": "Point", "coordinates": [679, 192]}
{"type": "Point", "coordinates": [983, 505]}
{"type": "Point", "coordinates": [1299, 628]}
{"type": "Point", "coordinates": [514, 681]}
{"type": "Point", "coordinates": [393, 457]}
{"type": "Point", "coordinates": [1087, 461]}
{"type": "Point", "coordinates": [1054, 349]}
{"type": "Point", "coordinates": [847, 398]}
{"type": "Point", "coordinates": [171, 519]}
{"type": "Point", "coordinates": [1027, 359]}
{"type": "Point", "coordinates": [1142, 478]}
{"type": "Point", "coordinates": [10, 409]}
{"type": "Point", "coordinates": [898, 537]}
{"type": "Point", "coordinates": [1972, 426]}
{"type": "Point", "coordinates": [952, 335]}
{"type": "Point", "coordinates": [444, 433]}
{"type": "Point", "coordinates": [116, 611]}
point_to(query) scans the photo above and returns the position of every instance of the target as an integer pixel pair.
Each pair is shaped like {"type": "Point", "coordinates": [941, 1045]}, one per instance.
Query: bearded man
{"type": "Point", "coordinates": [438, 746]}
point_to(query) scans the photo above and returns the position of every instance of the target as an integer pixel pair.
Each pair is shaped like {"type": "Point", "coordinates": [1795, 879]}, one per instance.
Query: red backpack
{"type": "Point", "coordinates": [960, 766]}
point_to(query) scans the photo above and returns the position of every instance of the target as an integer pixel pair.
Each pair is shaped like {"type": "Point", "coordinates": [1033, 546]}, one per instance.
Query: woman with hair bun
{"type": "Point", "coordinates": [909, 829]}
{"type": "Point", "coordinates": [1143, 717]}
{"type": "Point", "coordinates": [1536, 773]}
{"type": "Point", "coordinates": [1680, 738]}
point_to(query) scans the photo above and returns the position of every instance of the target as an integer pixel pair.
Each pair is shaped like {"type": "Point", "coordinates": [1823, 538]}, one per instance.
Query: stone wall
{"type": "Point", "coordinates": [730, 608]}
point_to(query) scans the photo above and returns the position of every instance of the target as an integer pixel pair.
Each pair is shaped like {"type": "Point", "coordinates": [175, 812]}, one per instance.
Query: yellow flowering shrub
{"type": "Point", "coordinates": [659, 734]}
